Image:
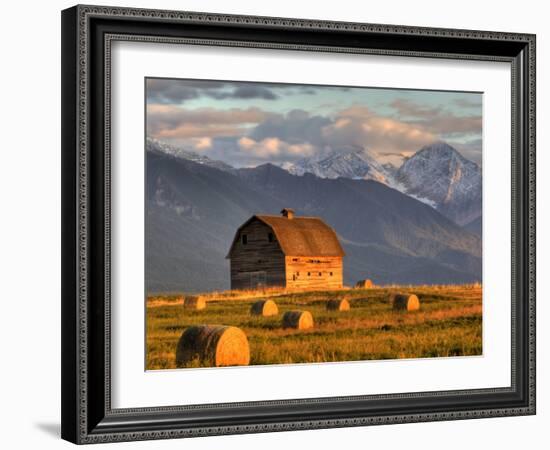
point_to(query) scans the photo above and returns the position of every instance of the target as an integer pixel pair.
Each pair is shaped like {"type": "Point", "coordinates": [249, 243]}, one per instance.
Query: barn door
{"type": "Point", "coordinates": [258, 279]}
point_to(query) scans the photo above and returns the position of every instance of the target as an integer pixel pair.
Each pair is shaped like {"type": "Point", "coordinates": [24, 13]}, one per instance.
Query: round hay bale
{"type": "Point", "coordinates": [338, 305]}
{"type": "Point", "coordinates": [264, 308]}
{"type": "Point", "coordinates": [405, 302]}
{"type": "Point", "coordinates": [213, 346]}
{"type": "Point", "coordinates": [364, 284]}
{"type": "Point", "coordinates": [196, 302]}
{"type": "Point", "coordinates": [301, 320]}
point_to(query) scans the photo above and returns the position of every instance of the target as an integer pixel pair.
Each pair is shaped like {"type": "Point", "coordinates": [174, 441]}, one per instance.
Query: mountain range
{"type": "Point", "coordinates": [194, 206]}
{"type": "Point", "coordinates": [437, 175]}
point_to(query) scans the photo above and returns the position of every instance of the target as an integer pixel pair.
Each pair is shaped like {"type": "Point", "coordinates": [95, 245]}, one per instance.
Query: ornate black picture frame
{"type": "Point", "coordinates": [87, 35]}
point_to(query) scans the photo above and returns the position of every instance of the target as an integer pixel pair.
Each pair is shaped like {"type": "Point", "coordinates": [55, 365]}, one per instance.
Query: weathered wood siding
{"type": "Point", "coordinates": [311, 272]}
{"type": "Point", "coordinates": [259, 261]}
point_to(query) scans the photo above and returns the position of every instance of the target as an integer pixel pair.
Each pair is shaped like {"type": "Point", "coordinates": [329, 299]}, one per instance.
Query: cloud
{"type": "Point", "coordinates": [246, 152]}
{"type": "Point", "coordinates": [449, 125]}
{"type": "Point", "coordinates": [247, 91]}
{"type": "Point", "coordinates": [178, 91]}
{"type": "Point", "coordinates": [415, 127]}
{"type": "Point", "coordinates": [169, 91]}
{"type": "Point", "coordinates": [354, 126]}
{"type": "Point", "coordinates": [395, 159]}
{"type": "Point", "coordinates": [202, 143]}
{"type": "Point", "coordinates": [468, 103]}
{"type": "Point", "coordinates": [470, 149]}
{"type": "Point", "coordinates": [269, 148]}
{"type": "Point", "coordinates": [173, 122]}
{"type": "Point", "coordinates": [436, 120]}
{"type": "Point", "coordinates": [251, 136]}
{"type": "Point", "coordinates": [296, 126]}
{"type": "Point", "coordinates": [358, 125]}
{"type": "Point", "coordinates": [407, 108]}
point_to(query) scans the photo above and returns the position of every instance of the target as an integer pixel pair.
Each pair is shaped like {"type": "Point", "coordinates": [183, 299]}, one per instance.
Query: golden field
{"type": "Point", "coordinates": [449, 323]}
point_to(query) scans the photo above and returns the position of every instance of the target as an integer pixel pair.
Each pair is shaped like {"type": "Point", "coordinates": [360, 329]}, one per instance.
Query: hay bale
{"type": "Point", "coordinates": [196, 302]}
{"type": "Point", "coordinates": [213, 346]}
{"type": "Point", "coordinates": [301, 320]}
{"type": "Point", "coordinates": [264, 308]}
{"type": "Point", "coordinates": [364, 284]}
{"type": "Point", "coordinates": [338, 305]}
{"type": "Point", "coordinates": [405, 302]}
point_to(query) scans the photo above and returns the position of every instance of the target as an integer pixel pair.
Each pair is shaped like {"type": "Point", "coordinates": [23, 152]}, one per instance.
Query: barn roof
{"type": "Point", "coordinates": [300, 236]}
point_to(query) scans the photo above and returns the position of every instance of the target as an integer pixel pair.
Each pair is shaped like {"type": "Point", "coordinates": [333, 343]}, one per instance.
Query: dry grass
{"type": "Point", "coordinates": [218, 296]}
{"type": "Point", "coordinates": [449, 323]}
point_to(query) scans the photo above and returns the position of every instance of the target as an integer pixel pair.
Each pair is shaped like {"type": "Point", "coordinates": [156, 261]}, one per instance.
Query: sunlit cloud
{"type": "Point", "coordinates": [274, 147]}
{"type": "Point", "coordinates": [437, 119]}
{"type": "Point", "coordinates": [202, 143]}
{"type": "Point", "coordinates": [361, 127]}
{"type": "Point", "coordinates": [173, 122]}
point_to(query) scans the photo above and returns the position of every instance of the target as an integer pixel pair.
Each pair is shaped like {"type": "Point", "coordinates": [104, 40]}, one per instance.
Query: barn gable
{"type": "Point", "coordinates": [298, 236]}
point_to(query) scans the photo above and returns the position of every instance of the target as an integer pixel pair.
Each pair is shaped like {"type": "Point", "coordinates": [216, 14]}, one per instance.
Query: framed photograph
{"type": "Point", "coordinates": [279, 224]}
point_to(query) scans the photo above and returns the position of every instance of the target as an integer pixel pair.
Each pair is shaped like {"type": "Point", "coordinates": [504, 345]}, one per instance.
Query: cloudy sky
{"type": "Point", "coordinates": [246, 124]}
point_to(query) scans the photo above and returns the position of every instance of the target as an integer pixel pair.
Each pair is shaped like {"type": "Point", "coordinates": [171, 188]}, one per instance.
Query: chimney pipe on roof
{"type": "Point", "coordinates": [288, 213]}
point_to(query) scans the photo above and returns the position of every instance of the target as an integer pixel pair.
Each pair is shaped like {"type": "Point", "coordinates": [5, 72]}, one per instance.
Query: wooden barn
{"type": "Point", "coordinates": [286, 251]}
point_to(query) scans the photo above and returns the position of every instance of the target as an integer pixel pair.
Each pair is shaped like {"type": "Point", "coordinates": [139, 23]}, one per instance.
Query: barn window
{"type": "Point", "coordinates": [270, 237]}
{"type": "Point", "coordinates": [330, 273]}
{"type": "Point", "coordinates": [244, 239]}
{"type": "Point", "coordinates": [319, 273]}
{"type": "Point", "coordinates": [309, 274]}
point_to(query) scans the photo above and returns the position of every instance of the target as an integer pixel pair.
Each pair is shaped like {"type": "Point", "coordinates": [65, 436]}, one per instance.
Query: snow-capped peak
{"type": "Point", "coordinates": [349, 162]}
{"type": "Point", "coordinates": [156, 145]}
{"type": "Point", "coordinates": [439, 173]}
